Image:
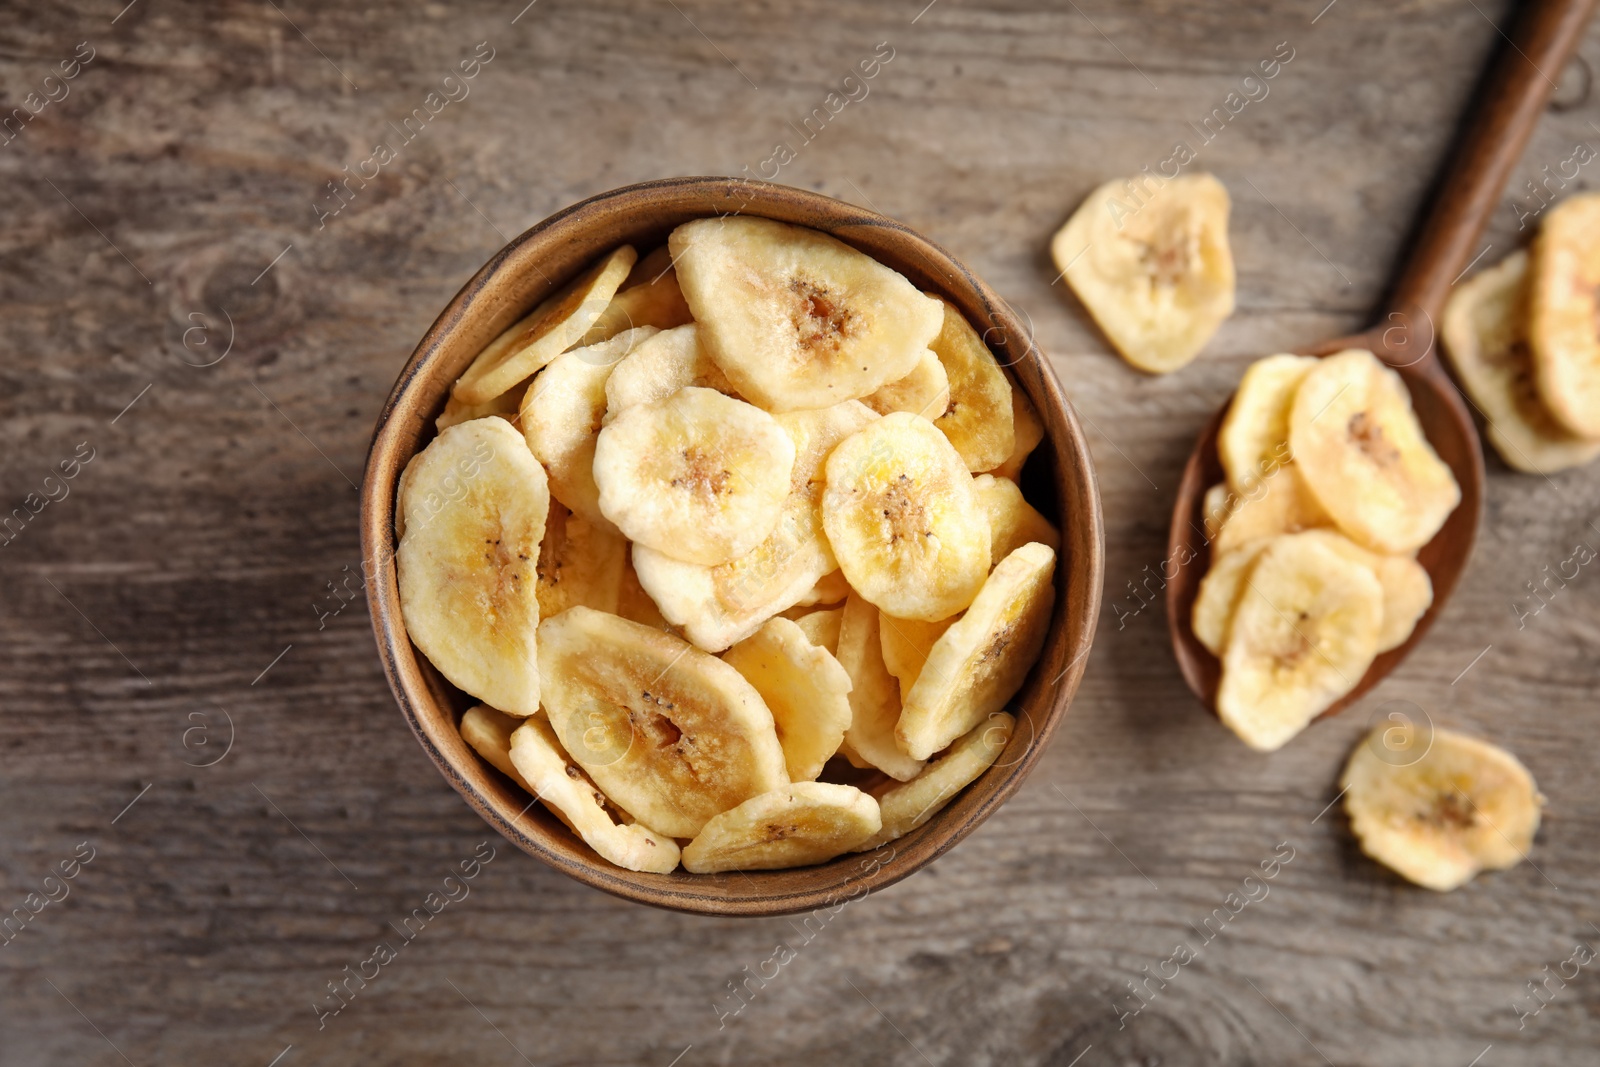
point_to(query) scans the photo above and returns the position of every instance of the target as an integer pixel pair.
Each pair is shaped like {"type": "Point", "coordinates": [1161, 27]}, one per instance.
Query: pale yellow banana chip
{"type": "Point", "coordinates": [1563, 329]}
{"type": "Point", "coordinates": [506, 405]}
{"type": "Point", "coordinates": [805, 689]}
{"type": "Point", "coordinates": [475, 502]}
{"type": "Point", "coordinates": [1437, 807]}
{"type": "Point", "coordinates": [874, 693]}
{"type": "Point", "coordinates": [982, 659]}
{"type": "Point", "coordinates": [1152, 266]}
{"type": "Point", "coordinates": [904, 520]}
{"type": "Point", "coordinates": [1363, 455]}
{"type": "Point", "coordinates": [979, 418]}
{"type": "Point", "coordinates": [1215, 508]}
{"type": "Point", "coordinates": [1407, 589]}
{"type": "Point", "coordinates": [552, 328]}
{"type": "Point", "coordinates": [1219, 593]}
{"type": "Point", "coordinates": [634, 604]}
{"type": "Point", "coordinates": [649, 297]}
{"type": "Point", "coordinates": [580, 562]}
{"type": "Point", "coordinates": [821, 627]}
{"type": "Point", "coordinates": [1279, 503]}
{"type": "Point", "coordinates": [1485, 335]}
{"type": "Point", "coordinates": [793, 826]}
{"type": "Point", "coordinates": [906, 644]}
{"type": "Point", "coordinates": [696, 476]}
{"type": "Point", "coordinates": [1027, 432]}
{"type": "Point", "coordinates": [1013, 522]}
{"type": "Point", "coordinates": [672, 735]}
{"type": "Point", "coordinates": [488, 732]}
{"type": "Point", "coordinates": [925, 391]}
{"type": "Point", "coordinates": [906, 806]}
{"type": "Point", "coordinates": [1254, 438]}
{"type": "Point", "coordinates": [659, 367]}
{"type": "Point", "coordinates": [1303, 635]}
{"type": "Point", "coordinates": [795, 318]}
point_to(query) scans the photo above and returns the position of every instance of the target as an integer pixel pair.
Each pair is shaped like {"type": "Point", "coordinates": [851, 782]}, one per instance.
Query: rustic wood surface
{"type": "Point", "coordinates": [188, 579]}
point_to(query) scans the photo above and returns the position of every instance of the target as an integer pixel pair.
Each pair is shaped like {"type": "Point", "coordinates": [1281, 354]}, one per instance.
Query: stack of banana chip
{"type": "Point", "coordinates": [710, 528]}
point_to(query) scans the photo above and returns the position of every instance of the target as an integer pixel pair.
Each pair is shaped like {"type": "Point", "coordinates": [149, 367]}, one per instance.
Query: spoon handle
{"type": "Point", "coordinates": [1506, 109]}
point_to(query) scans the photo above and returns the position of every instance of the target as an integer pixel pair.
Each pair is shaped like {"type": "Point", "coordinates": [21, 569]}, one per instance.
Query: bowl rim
{"type": "Point", "coordinates": [389, 451]}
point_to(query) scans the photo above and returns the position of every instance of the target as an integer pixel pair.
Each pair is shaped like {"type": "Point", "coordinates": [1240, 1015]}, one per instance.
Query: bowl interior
{"type": "Point", "coordinates": [1059, 480]}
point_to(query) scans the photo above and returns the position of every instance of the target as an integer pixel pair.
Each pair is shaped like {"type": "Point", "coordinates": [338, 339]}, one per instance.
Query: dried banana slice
{"type": "Point", "coordinates": [805, 689]}
{"type": "Point", "coordinates": [1219, 593]}
{"type": "Point", "coordinates": [673, 736]}
{"type": "Point", "coordinates": [1254, 438]}
{"type": "Point", "coordinates": [561, 415]}
{"type": "Point", "coordinates": [982, 660]}
{"type": "Point", "coordinates": [907, 806]}
{"type": "Point", "coordinates": [831, 588]}
{"type": "Point", "coordinates": [1407, 589]}
{"type": "Point", "coordinates": [1215, 509]}
{"type": "Point", "coordinates": [697, 476]}
{"type": "Point", "coordinates": [980, 416]}
{"type": "Point", "coordinates": [1364, 457]}
{"type": "Point", "coordinates": [904, 520]}
{"type": "Point", "coordinates": [1279, 503]}
{"type": "Point", "coordinates": [906, 644]}
{"type": "Point", "coordinates": [506, 405]}
{"type": "Point", "coordinates": [1027, 430]}
{"type": "Point", "coordinates": [563, 788]}
{"type": "Point", "coordinates": [925, 391]}
{"type": "Point", "coordinates": [552, 328]}
{"type": "Point", "coordinates": [1303, 635]}
{"type": "Point", "coordinates": [1156, 273]}
{"type": "Point", "coordinates": [1563, 329]}
{"type": "Point", "coordinates": [1485, 336]}
{"type": "Point", "coordinates": [792, 826]}
{"type": "Point", "coordinates": [580, 562]}
{"type": "Point", "coordinates": [874, 693]}
{"type": "Point", "coordinates": [488, 733]}
{"type": "Point", "coordinates": [1012, 520]}
{"type": "Point", "coordinates": [650, 297]}
{"type": "Point", "coordinates": [795, 318]}
{"type": "Point", "coordinates": [1437, 807]}
{"type": "Point", "coordinates": [821, 628]}
{"type": "Point", "coordinates": [634, 604]}
{"type": "Point", "coordinates": [659, 367]}
{"type": "Point", "coordinates": [475, 502]}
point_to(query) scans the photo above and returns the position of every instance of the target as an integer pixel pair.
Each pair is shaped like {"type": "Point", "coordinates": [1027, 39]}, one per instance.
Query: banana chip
{"type": "Point", "coordinates": [672, 735]}
{"type": "Point", "coordinates": [1563, 331]}
{"type": "Point", "coordinates": [1485, 337]}
{"type": "Point", "coordinates": [488, 733]}
{"type": "Point", "coordinates": [580, 562]}
{"type": "Point", "coordinates": [1012, 520]}
{"type": "Point", "coordinates": [649, 297]}
{"type": "Point", "coordinates": [475, 502]}
{"type": "Point", "coordinates": [1362, 452]}
{"type": "Point", "coordinates": [904, 520]}
{"type": "Point", "coordinates": [821, 627]}
{"type": "Point", "coordinates": [634, 604]}
{"type": "Point", "coordinates": [978, 418]}
{"type": "Point", "coordinates": [874, 693]}
{"type": "Point", "coordinates": [1027, 432]}
{"type": "Point", "coordinates": [1277, 504]}
{"type": "Point", "coordinates": [805, 689]}
{"type": "Point", "coordinates": [1437, 806]}
{"type": "Point", "coordinates": [982, 659]}
{"type": "Point", "coordinates": [831, 588]}
{"type": "Point", "coordinates": [1219, 593]}
{"type": "Point", "coordinates": [698, 476]}
{"type": "Point", "coordinates": [793, 826]}
{"type": "Point", "coordinates": [1157, 273]}
{"type": "Point", "coordinates": [552, 328]}
{"type": "Point", "coordinates": [925, 391]}
{"type": "Point", "coordinates": [1254, 438]}
{"type": "Point", "coordinates": [906, 806]}
{"type": "Point", "coordinates": [906, 644]}
{"type": "Point", "coordinates": [506, 405]}
{"type": "Point", "coordinates": [795, 318]}
{"type": "Point", "coordinates": [659, 367]}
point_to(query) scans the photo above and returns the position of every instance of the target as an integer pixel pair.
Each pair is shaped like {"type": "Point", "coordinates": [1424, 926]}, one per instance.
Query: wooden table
{"type": "Point", "coordinates": [196, 571]}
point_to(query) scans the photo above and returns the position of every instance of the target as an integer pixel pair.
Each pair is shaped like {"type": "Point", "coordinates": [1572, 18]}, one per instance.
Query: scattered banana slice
{"type": "Point", "coordinates": [488, 733]}
{"type": "Point", "coordinates": [907, 806]}
{"type": "Point", "coordinates": [506, 405]}
{"type": "Point", "coordinates": [805, 689]}
{"type": "Point", "coordinates": [795, 318]}
{"type": "Point", "coordinates": [978, 417]}
{"type": "Point", "coordinates": [982, 659]}
{"type": "Point", "coordinates": [1303, 635]}
{"type": "Point", "coordinates": [821, 628]}
{"type": "Point", "coordinates": [563, 788]}
{"type": "Point", "coordinates": [1438, 807]}
{"type": "Point", "coordinates": [649, 297]}
{"type": "Point", "coordinates": [659, 367]}
{"type": "Point", "coordinates": [1277, 504]}
{"type": "Point", "coordinates": [1485, 337]}
{"type": "Point", "coordinates": [1362, 452]}
{"type": "Point", "coordinates": [475, 502]}
{"type": "Point", "coordinates": [1153, 268]}
{"type": "Point", "coordinates": [1562, 326]}
{"type": "Point", "coordinates": [561, 415]}
{"type": "Point", "coordinates": [1219, 593]}
{"type": "Point", "coordinates": [552, 328]}
{"type": "Point", "coordinates": [793, 826]}
{"type": "Point", "coordinates": [874, 693]}
{"type": "Point", "coordinates": [580, 562]}
{"type": "Point", "coordinates": [672, 735]}
{"type": "Point", "coordinates": [1028, 432]}
{"type": "Point", "coordinates": [1254, 438]}
{"type": "Point", "coordinates": [697, 476]}
{"type": "Point", "coordinates": [904, 520]}
{"type": "Point", "coordinates": [906, 644]}
{"type": "Point", "coordinates": [925, 391]}
{"type": "Point", "coordinates": [1012, 520]}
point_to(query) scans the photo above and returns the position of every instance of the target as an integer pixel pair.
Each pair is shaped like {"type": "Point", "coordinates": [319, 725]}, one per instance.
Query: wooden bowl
{"type": "Point", "coordinates": [1059, 480]}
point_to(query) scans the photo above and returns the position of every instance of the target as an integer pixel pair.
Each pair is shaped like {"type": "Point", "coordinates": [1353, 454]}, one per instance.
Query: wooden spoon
{"type": "Point", "coordinates": [1508, 105]}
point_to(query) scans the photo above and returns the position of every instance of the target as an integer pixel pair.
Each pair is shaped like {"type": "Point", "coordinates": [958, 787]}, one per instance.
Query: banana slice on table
{"type": "Point", "coordinates": [1153, 267]}
{"type": "Point", "coordinates": [805, 689]}
{"type": "Point", "coordinates": [792, 826]}
{"type": "Point", "coordinates": [488, 733]}
{"type": "Point", "coordinates": [580, 562]}
{"type": "Point", "coordinates": [672, 735]}
{"type": "Point", "coordinates": [1485, 336]}
{"type": "Point", "coordinates": [904, 520]}
{"type": "Point", "coordinates": [1013, 522]}
{"type": "Point", "coordinates": [561, 417]}
{"type": "Point", "coordinates": [874, 693]}
{"type": "Point", "coordinates": [925, 391]}
{"type": "Point", "coordinates": [1219, 593]}
{"type": "Point", "coordinates": [549, 330]}
{"type": "Point", "coordinates": [697, 476]}
{"type": "Point", "coordinates": [978, 417]}
{"type": "Point", "coordinates": [562, 787]}
{"type": "Point", "coordinates": [1027, 430]}
{"type": "Point", "coordinates": [1438, 806]}
{"type": "Point", "coordinates": [1563, 329]}
{"type": "Point", "coordinates": [506, 405]}
{"type": "Point", "coordinates": [906, 644]}
{"type": "Point", "coordinates": [649, 297]}
{"type": "Point", "coordinates": [1277, 504]}
{"type": "Point", "coordinates": [659, 367]}
{"type": "Point", "coordinates": [1363, 455]}
{"type": "Point", "coordinates": [1303, 635]}
{"type": "Point", "coordinates": [795, 318]}
{"type": "Point", "coordinates": [475, 502]}
{"type": "Point", "coordinates": [906, 806]}
{"type": "Point", "coordinates": [821, 628]}
{"type": "Point", "coordinates": [1254, 438]}
{"type": "Point", "coordinates": [982, 659]}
